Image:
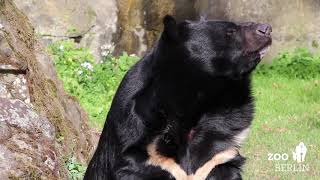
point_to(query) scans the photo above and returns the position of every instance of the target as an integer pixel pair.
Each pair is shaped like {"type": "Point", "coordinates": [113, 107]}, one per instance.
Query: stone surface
{"type": "Point", "coordinates": [140, 22]}
{"type": "Point", "coordinates": [131, 32]}
{"type": "Point", "coordinates": [31, 73]}
{"type": "Point", "coordinates": [105, 27]}
{"type": "Point", "coordinates": [93, 22]}
{"type": "Point", "coordinates": [58, 17]}
{"type": "Point", "coordinates": [14, 87]}
{"type": "Point", "coordinates": [134, 25]}
{"type": "Point", "coordinates": [27, 143]}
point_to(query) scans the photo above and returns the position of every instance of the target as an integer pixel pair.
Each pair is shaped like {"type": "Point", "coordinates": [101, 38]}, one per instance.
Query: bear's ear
{"type": "Point", "coordinates": [170, 28]}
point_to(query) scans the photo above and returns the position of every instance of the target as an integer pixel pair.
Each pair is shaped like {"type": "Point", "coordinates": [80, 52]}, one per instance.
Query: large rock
{"type": "Point", "coordinates": [58, 17]}
{"type": "Point", "coordinates": [27, 143]}
{"type": "Point", "coordinates": [92, 23]}
{"type": "Point", "coordinates": [140, 22]}
{"type": "Point", "coordinates": [127, 25]}
{"type": "Point", "coordinates": [132, 35]}
{"type": "Point", "coordinates": [130, 25]}
{"type": "Point", "coordinates": [14, 86]}
{"type": "Point", "coordinates": [134, 25]}
{"type": "Point", "coordinates": [295, 23]}
{"type": "Point", "coordinates": [21, 50]}
{"type": "Point", "coordinates": [104, 29]}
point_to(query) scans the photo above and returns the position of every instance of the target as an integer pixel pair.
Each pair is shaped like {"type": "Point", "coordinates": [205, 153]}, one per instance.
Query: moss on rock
{"type": "Point", "coordinates": [46, 91]}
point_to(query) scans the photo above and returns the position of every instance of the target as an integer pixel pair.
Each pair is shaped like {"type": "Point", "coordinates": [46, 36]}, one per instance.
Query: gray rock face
{"type": "Point", "coordinates": [58, 17]}
{"type": "Point", "coordinates": [14, 86]}
{"type": "Point", "coordinates": [27, 146]}
{"type": "Point", "coordinates": [34, 106]}
{"type": "Point", "coordinates": [139, 22]}
{"type": "Point", "coordinates": [92, 23]}
{"type": "Point", "coordinates": [104, 29]}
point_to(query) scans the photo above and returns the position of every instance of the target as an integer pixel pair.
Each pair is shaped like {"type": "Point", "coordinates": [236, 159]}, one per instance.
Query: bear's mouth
{"type": "Point", "coordinates": [264, 51]}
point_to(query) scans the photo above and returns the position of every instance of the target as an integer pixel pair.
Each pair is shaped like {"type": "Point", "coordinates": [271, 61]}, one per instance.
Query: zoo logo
{"type": "Point", "coordinates": [298, 155]}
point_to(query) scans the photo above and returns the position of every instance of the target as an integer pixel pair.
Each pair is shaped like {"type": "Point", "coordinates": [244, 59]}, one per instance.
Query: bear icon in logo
{"type": "Point", "coordinates": [300, 153]}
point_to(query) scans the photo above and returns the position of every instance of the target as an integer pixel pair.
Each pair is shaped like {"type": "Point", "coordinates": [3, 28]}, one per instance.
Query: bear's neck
{"type": "Point", "coordinates": [180, 90]}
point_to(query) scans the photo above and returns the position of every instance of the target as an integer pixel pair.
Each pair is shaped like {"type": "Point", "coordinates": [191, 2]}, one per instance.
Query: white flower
{"type": "Point", "coordinates": [80, 72]}
{"type": "Point", "coordinates": [27, 101]}
{"type": "Point", "coordinates": [87, 65]}
{"type": "Point", "coordinates": [133, 55]}
{"type": "Point", "coordinates": [104, 53]}
{"type": "Point", "coordinates": [108, 47]}
{"type": "Point", "coordinates": [105, 47]}
{"type": "Point", "coordinates": [61, 47]}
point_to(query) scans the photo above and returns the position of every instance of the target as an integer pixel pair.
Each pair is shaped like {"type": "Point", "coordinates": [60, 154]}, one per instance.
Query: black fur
{"type": "Point", "coordinates": [197, 77]}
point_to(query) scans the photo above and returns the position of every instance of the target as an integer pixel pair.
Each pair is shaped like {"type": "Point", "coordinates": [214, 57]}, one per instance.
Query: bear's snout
{"type": "Point", "coordinates": [264, 29]}
{"type": "Point", "coordinates": [257, 36]}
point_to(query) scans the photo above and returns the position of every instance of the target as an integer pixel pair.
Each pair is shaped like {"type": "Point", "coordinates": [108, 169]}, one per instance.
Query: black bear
{"type": "Point", "coordinates": [185, 107]}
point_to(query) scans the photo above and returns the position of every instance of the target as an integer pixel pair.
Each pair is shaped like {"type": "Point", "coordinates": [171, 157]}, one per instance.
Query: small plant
{"type": "Point", "coordinates": [72, 29]}
{"type": "Point", "coordinates": [76, 170]}
{"type": "Point", "coordinates": [93, 84]}
{"type": "Point", "coordinates": [301, 64]}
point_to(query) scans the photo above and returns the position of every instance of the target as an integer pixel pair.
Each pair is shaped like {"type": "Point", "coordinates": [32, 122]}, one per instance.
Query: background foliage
{"type": "Point", "coordinates": [300, 64]}
{"type": "Point", "coordinates": [93, 84]}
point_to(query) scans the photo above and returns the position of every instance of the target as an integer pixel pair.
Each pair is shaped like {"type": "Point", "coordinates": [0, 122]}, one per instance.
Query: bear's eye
{"type": "Point", "coordinates": [231, 32]}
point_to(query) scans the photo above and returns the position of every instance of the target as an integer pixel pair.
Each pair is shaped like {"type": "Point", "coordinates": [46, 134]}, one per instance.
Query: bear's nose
{"type": "Point", "coordinates": [264, 29]}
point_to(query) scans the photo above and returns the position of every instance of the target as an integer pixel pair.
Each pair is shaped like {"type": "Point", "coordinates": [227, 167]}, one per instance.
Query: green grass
{"type": "Point", "coordinates": [287, 112]}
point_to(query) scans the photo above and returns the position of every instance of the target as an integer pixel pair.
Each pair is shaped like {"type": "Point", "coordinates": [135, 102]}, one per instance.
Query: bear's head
{"type": "Point", "coordinates": [217, 48]}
